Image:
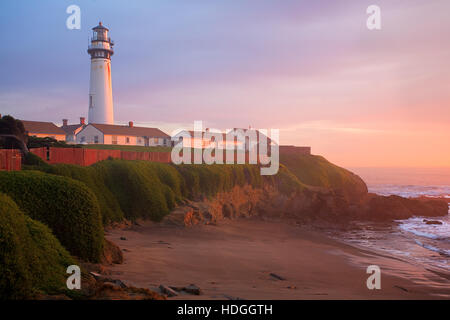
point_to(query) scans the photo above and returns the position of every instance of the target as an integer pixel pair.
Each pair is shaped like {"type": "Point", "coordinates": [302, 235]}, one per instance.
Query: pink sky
{"type": "Point", "coordinates": [311, 69]}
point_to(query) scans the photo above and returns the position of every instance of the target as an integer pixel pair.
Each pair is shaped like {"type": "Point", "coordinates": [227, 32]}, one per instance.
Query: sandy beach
{"type": "Point", "coordinates": [236, 258]}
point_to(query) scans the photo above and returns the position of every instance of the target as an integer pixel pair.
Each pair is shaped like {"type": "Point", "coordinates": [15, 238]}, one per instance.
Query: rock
{"type": "Point", "coordinates": [401, 288]}
{"type": "Point", "coordinates": [292, 287]}
{"type": "Point", "coordinates": [119, 283]}
{"type": "Point", "coordinates": [432, 222]}
{"type": "Point", "coordinates": [193, 289]}
{"type": "Point", "coordinates": [110, 291]}
{"type": "Point", "coordinates": [168, 291]}
{"type": "Point", "coordinates": [178, 289]}
{"type": "Point", "coordinates": [97, 276]}
{"type": "Point", "coordinates": [232, 298]}
{"type": "Point", "coordinates": [111, 253]}
{"type": "Point", "coordinates": [102, 278]}
{"type": "Point", "coordinates": [382, 208]}
{"type": "Point", "coordinates": [274, 275]}
{"type": "Point", "coordinates": [163, 242]}
{"type": "Point", "coordinates": [123, 238]}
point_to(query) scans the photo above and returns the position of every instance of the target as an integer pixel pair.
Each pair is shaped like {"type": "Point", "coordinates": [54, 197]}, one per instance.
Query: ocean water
{"type": "Point", "coordinates": [426, 246]}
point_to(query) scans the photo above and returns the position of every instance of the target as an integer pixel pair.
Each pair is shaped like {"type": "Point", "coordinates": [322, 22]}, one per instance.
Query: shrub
{"type": "Point", "coordinates": [67, 206]}
{"type": "Point", "coordinates": [92, 177]}
{"type": "Point", "coordinates": [150, 190]}
{"type": "Point", "coordinates": [285, 181]}
{"type": "Point", "coordinates": [128, 189]}
{"type": "Point", "coordinates": [317, 171]}
{"type": "Point", "coordinates": [33, 160]}
{"type": "Point", "coordinates": [208, 180]}
{"type": "Point", "coordinates": [32, 259]}
{"type": "Point", "coordinates": [35, 142]}
{"type": "Point", "coordinates": [138, 188]}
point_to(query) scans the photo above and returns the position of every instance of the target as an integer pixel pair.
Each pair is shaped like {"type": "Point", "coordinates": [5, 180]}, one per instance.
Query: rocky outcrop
{"type": "Point", "coordinates": [385, 208]}
{"type": "Point", "coordinates": [239, 202]}
{"type": "Point", "coordinates": [308, 205]}
{"type": "Point", "coordinates": [111, 253]}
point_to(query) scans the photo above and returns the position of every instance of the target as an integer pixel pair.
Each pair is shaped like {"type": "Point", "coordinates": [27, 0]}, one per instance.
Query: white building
{"type": "Point", "coordinates": [101, 109]}
{"type": "Point", "coordinates": [236, 139]}
{"type": "Point", "coordinates": [73, 129]}
{"type": "Point", "coordinates": [122, 135]}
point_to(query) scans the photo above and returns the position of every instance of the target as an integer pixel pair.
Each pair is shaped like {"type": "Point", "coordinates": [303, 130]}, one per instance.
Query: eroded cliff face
{"type": "Point", "coordinates": [312, 204]}
{"type": "Point", "coordinates": [239, 202]}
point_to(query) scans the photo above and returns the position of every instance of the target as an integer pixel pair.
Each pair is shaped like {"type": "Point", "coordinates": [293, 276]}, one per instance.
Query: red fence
{"type": "Point", "coordinates": [86, 157]}
{"type": "Point", "coordinates": [10, 159]}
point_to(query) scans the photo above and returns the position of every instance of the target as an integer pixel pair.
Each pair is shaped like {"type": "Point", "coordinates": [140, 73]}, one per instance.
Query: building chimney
{"type": "Point", "coordinates": [65, 121]}
{"type": "Point", "coordinates": [82, 121]}
{"type": "Point", "coordinates": [131, 124]}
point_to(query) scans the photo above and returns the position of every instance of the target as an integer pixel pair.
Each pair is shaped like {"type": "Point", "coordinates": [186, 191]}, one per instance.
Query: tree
{"type": "Point", "coordinates": [13, 134]}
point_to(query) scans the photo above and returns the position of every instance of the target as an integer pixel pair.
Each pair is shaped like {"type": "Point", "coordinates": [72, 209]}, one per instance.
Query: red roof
{"type": "Point", "coordinates": [40, 127]}
{"type": "Point", "coordinates": [110, 129]}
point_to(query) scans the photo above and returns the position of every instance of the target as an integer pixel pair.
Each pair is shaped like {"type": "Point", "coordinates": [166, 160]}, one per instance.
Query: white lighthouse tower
{"type": "Point", "coordinates": [101, 109]}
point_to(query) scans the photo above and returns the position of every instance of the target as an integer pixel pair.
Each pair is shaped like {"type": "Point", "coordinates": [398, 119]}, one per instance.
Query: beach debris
{"type": "Point", "coordinates": [118, 283]}
{"type": "Point", "coordinates": [432, 221]}
{"type": "Point", "coordinates": [401, 288]}
{"type": "Point", "coordinates": [193, 289]}
{"type": "Point", "coordinates": [232, 298]}
{"type": "Point", "coordinates": [167, 291]}
{"type": "Point", "coordinates": [102, 278]}
{"type": "Point", "coordinates": [276, 276]}
{"type": "Point", "coordinates": [96, 275]}
{"type": "Point", "coordinates": [179, 289]}
{"type": "Point", "coordinates": [109, 291]}
{"type": "Point", "coordinates": [292, 287]}
{"type": "Point", "coordinates": [123, 238]}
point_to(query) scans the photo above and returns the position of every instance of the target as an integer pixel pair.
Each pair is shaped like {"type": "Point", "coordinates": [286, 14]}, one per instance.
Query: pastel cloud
{"type": "Point", "coordinates": [310, 68]}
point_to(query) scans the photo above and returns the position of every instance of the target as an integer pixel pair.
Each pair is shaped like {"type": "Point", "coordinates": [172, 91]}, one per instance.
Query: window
{"type": "Point", "coordinates": [114, 139]}
{"type": "Point", "coordinates": [156, 140]}
{"type": "Point", "coordinates": [139, 140]}
{"type": "Point", "coordinates": [128, 140]}
{"type": "Point", "coordinates": [91, 101]}
{"type": "Point", "coordinates": [83, 139]}
{"type": "Point", "coordinates": [96, 139]}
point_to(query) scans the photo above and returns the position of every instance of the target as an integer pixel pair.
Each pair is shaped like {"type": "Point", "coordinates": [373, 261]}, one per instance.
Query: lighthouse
{"type": "Point", "coordinates": [101, 109]}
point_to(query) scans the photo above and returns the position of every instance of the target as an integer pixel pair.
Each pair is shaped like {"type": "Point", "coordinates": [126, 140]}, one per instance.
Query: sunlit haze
{"type": "Point", "coordinates": [310, 68]}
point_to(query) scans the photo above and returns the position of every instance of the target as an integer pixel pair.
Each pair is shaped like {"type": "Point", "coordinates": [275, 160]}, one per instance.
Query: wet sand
{"type": "Point", "coordinates": [235, 259]}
